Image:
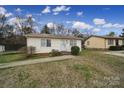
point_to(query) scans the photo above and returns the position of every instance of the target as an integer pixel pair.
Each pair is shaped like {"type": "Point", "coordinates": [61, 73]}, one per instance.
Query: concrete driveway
{"type": "Point", "coordinates": [116, 53]}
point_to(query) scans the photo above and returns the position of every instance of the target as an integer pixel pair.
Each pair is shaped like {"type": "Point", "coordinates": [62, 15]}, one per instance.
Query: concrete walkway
{"type": "Point", "coordinates": [34, 61]}
{"type": "Point", "coordinates": [116, 53]}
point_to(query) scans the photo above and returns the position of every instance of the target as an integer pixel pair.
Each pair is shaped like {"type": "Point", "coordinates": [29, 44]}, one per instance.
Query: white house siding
{"type": "Point", "coordinates": [55, 44]}
{"type": "Point", "coordinates": [2, 48]}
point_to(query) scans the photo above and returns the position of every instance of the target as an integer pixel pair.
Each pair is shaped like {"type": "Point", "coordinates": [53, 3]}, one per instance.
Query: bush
{"type": "Point", "coordinates": [55, 53]}
{"type": "Point", "coordinates": [75, 50]}
{"type": "Point", "coordinates": [122, 47]}
{"type": "Point", "coordinates": [30, 51]}
{"type": "Point", "coordinates": [23, 49]}
{"type": "Point", "coordinates": [115, 48]}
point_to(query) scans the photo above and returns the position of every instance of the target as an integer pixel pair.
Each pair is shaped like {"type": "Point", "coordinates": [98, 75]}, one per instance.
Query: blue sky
{"type": "Point", "coordinates": [99, 19]}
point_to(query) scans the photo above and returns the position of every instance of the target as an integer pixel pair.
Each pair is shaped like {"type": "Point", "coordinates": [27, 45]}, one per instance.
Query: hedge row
{"type": "Point", "coordinates": [116, 47]}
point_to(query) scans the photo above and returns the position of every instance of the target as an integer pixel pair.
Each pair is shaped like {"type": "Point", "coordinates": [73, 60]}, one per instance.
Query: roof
{"type": "Point", "coordinates": [107, 37]}
{"type": "Point", "coordinates": [52, 36]}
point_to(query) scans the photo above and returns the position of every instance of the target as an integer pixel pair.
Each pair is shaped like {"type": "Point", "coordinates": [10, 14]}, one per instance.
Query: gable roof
{"type": "Point", "coordinates": [106, 37]}
{"type": "Point", "coordinates": [52, 36]}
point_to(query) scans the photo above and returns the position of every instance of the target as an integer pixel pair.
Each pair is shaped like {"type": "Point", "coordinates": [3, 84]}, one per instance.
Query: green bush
{"type": "Point", "coordinates": [115, 48]}
{"type": "Point", "coordinates": [122, 47]}
{"type": "Point", "coordinates": [75, 50]}
{"type": "Point", "coordinates": [55, 53]}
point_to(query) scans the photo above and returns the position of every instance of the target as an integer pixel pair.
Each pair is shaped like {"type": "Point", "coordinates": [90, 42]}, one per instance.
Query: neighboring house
{"type": "Point", "coordinates": [45, 43]}
{"type": "Point", "coordinates": [103, 42]}
{"type": "Point", "coordinates": [2, 48]}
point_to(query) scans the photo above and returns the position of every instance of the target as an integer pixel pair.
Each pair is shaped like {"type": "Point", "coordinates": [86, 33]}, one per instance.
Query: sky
{"type": "Point", "coordinates": [98, 19]}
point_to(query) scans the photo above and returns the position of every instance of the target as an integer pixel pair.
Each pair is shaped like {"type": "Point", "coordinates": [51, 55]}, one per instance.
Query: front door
{"type": "Point", "coordinates": [63, 45]}
{"type": "Point", "coordinates": [117, 42]}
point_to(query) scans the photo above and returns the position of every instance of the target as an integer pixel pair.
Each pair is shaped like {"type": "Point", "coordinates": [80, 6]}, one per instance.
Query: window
{"type": "Point", "coordinates": [73, 42]}
{"type": "Point", "coordinates": [45, 43]}
{"type": "Point", "coordinates": [110, 42]}
{"type": "Point", "coordinates": [48, 43]}
{"type": "Point", "coordinates": [122, 42]}
{"type": "Point", "coordinates": [88, 42]}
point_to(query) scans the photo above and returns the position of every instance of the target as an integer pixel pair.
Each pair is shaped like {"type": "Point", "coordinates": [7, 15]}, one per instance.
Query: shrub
{"type": "Point", "coordinates": [30, 51]}
{"type": "Point", "coordinates": [23, 49]}
{"type": "Point", "coordinates": [75, 50]}
{"type": "Point", "coordinates": [122, 47]}
{"type": "Point", "coordinates": [55, 53]}
{"type": "Point", "coordinates": [115, 48]}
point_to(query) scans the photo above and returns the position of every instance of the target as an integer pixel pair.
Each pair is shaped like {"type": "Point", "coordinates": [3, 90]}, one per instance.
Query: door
{"type": "Point", "coordinates": [63, 46]}
{"type": "Point", "coordinates": [117, 42]}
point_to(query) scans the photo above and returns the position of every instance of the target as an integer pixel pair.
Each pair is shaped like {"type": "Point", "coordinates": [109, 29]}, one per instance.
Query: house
{"type": "Point", "coordinates": [45, 43]}
{"type": "Point", "coordinates": [2, 48]}
{"type": "Point", "coordinates": [103, 42]}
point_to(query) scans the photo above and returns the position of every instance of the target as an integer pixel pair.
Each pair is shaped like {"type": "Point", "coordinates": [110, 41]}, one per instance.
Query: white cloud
{"type": "Point", "coordinates": [29, 15]}
{"type": "Point", "coordinates": [2, 10]}
{"type": "Point", "coordinates": [46, 10]}
{"type": "Point", "coordinates": [98, 21]}
{"type": "Point", "coordinates": [61, 8]}
{"type": "Point", "coordinates": [18, 10]}
{"type": "Point", "coordinates": [56, 13]}
{"type": "Point", "coordinates": [68, 22]}
{"type": "Point", "coordinates": [51, 25]}
{"type": "Point", "coordinates": [106, 8]}
{"type": "Point", "coordinates": [8, 14]}
{"type": "Point", "coordinates": [79, 13]}
{"type": "Point", "coordinates": [110, 25]}
{"type": "Point", "coordinates": [67, 14]}
{"type": "Point", "coordinates": [96, 30]}
{"type": "Point", "coordinates": [13, 21]}
{"type": "Point", "coordinates": [81, 25]}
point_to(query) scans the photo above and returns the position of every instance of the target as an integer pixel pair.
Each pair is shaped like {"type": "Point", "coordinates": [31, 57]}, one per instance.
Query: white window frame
{"type": "Point", "coordinates": [110, 41]}
{"type": "Point", "coordinates": [73, 42]}
{"type": "Point", "coordinates": [44, 42]}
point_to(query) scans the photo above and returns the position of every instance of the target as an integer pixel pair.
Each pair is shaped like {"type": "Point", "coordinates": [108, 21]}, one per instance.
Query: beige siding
{"type": "Point", "coordinates": [55, 44]}
{"type": "Point", "coordinates": [95, 42]}
{"type": "Point", "coordinates": [100, 43]}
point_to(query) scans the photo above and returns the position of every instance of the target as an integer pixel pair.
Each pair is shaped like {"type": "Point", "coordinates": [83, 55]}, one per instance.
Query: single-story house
{"type": "Point", "coordinates": [45, 43]}
{"type": "Point", "coordinates": [2, 48]}
{"type": "Point", "coordinates": [103, 42]}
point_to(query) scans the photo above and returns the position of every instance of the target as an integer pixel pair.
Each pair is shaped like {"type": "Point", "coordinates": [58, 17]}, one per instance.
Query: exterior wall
{"type": "Point", "coordinates": [95, 42]}
{"type": "Point", "coordinates": [119, 43]}
{"type": "Point", "coordinates": [55, 44]}
{"type": "Point", "coordinates": [100, 43]}
{"type": "Point", "coordinates": [107, 46]}
{"type": "Point", "coordinates": [2, 48]}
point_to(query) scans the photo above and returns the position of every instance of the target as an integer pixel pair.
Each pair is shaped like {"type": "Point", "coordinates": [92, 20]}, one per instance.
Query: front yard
{"type": "Point", "coordinates": [11, 57]}
{"type": "Point", "coordinates": [90, 69]}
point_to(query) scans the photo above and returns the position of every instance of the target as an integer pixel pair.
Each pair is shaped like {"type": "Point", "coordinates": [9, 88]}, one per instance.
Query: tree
{"type": "Point", "coordinates": [111, 34]}
{"type": "Point", "coordinates": [122, 33]}
{"type": "Point", "coordinates": [45, 30]}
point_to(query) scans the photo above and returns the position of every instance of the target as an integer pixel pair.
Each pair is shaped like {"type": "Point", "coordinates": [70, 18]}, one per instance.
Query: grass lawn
{"type": "Point", "coordinates": [90, 69]}
{"type": "Point", "coordinates": [7, 58]}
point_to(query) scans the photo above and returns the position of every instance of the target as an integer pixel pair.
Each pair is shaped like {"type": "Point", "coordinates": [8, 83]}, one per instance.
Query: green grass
{"type": "Point", "coordinates": [6, 58]}
{"type": "Point", "coordinates": [11, 57]}
{"type": "Point", "coordinates": [90, 69]}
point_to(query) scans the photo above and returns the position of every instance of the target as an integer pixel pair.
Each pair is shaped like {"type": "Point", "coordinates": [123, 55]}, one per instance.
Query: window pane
{"type": "Point", "coordinates": [110, 42]}
{"type": "Point", "coordinates": [88, 43]}
{"type": "Point", "coordinates": [48, 43]}
{"type": "Point", "coordinates": [43, 43]}
{"type": "Point", "coordinates": [73, 42]}
{"type": "Point", "coordinates": [122, 42]}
